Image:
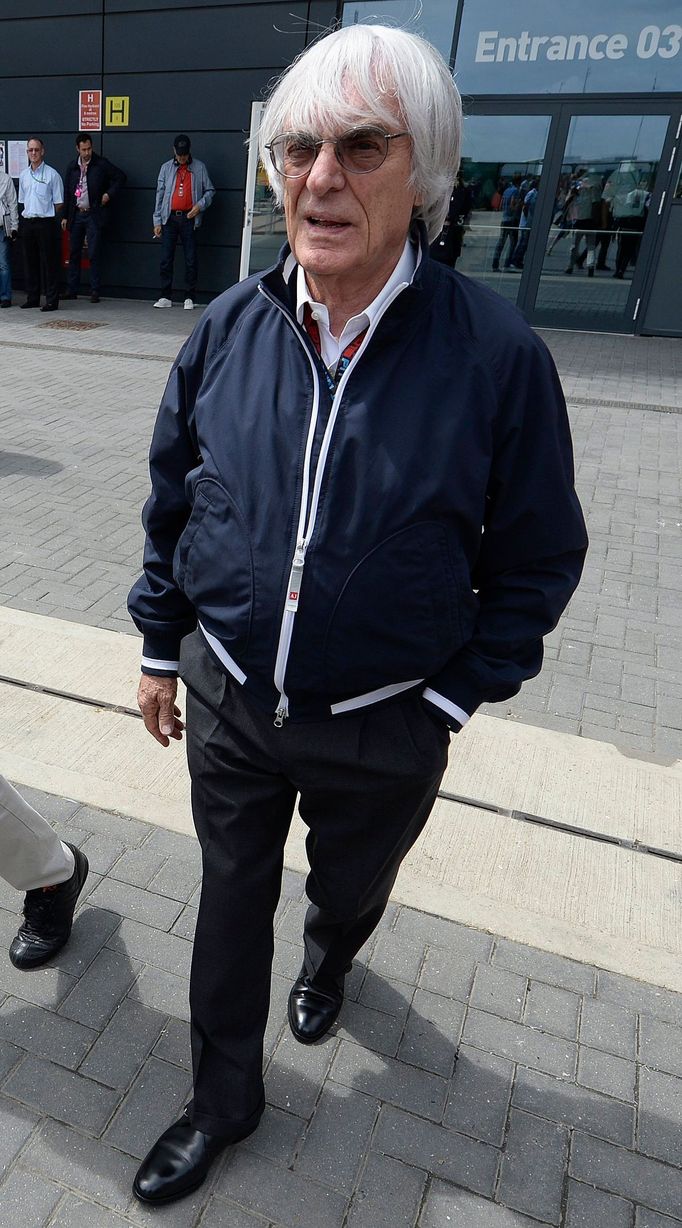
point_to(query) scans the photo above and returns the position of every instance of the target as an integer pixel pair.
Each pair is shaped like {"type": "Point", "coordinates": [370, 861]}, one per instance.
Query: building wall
{"type": "Point", "coordinates": [187, 66]}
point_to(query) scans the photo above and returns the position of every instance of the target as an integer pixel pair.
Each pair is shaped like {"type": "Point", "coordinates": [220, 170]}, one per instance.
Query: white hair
{"type": "Point", "coordinates": [360, 74]}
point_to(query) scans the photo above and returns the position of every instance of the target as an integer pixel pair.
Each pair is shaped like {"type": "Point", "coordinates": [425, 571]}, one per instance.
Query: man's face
{"type": "Point", "coordinates": [84, 150]}
{"type": "Point", "coordinates": [34, 149]}
{"type": "Point", "coordinates": [349, 226]}
{"type": "Point", "coordinates": [181, 159]}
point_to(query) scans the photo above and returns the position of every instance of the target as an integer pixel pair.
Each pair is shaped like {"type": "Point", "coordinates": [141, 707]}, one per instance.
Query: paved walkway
{"type": "Point", "coordinates": [564, 1106]}
{"type": "Point", "coordinates": [79, 407]}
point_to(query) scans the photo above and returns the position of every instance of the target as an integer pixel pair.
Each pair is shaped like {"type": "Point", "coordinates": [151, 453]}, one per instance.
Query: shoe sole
{"type": "Point", "coordinates": [168, 1198]}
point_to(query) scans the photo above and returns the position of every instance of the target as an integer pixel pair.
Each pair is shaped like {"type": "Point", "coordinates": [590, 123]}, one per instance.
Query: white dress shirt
{"type": "Point", "coordinates": [40, 191]}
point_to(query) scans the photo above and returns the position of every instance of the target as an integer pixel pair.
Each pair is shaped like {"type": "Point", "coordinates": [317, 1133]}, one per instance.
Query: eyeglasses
{"type": "Point", "coordinates": [360, 151]}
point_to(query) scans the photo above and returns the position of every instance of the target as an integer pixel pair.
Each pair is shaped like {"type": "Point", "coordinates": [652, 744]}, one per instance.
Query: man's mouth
{"type": "Point", "coordinates": [325, 223]}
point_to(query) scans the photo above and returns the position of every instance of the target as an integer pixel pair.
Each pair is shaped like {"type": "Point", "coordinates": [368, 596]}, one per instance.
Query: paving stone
{"type": "Point", "coordinates": [176, 879]}
{"type": "Point", "coordinates": [278, 1194]}
{"type": "Point", "coordinates": [290, 926]}
{"type": "Point", "coordinates": [162, 991]}
{"type": "Point", "coordinates": [637, 996]}
{"type": "Point", "coordinates": [651, 1219]}
{"type": "Point", "coordinates": [45, 987]}
{"type": "Point", "coordinates": [382, 994]}
{"type": "Point", "coordinates": [75, 1213]}
{"type": "Point", "coordinates": [533, 1165]}
{"type": "Point", "coordinates": [52, 808]}
{"type": "Point", "coordinates": [287, 959]}
{"type": "Point", "coordinates": [27, 1199]}
{"type": "Point", "coordinates": [278, 1136]}
{"type": "Point", "coordinates": [632, 1176]}
{"type": "Point", "coordinates": [448, 1207]}
{"type": "Point", "coordinates": [574, 1106]}
{"type": "Point", "coordinates": [130, 831]}
{"type": "Point", "coordinates": [450, 973]}
{"type": "Point", "coordinates": [436, 1150]}
{"type": "Point", "coordinates": [396, 957]}
{"type": "Point", "coordinates": [186, 924]}
{"type": "Point", "coordinates": [407, 1087]}
{"type": "Point", "coordinates": [660, 1045]}
{"type": "Point", "coordinates": [92, 928]}
{"type": "Point", "coordinates": [220, 1214]}
{"type": "Point", "coordinates": [372, 1029]}
{"type": "Point", "coordinates": [499, 992]}
{"type": "Point", "coordinates": [293, 885]}
{"type": "Point", "coordinates": [603, 1025]}
{"type": "Point", "coordinates": [297, 1072]}
{"type": "Point", "coordinates": [154, 1102]}
{"type": "Point", "coordinates": [479, 1097]}
{"type": "Point", "coordinates": [605, 1073]}
{"type": "Point", "coordinates": [552, 1010]}
{"type": "Point", "coordinates": [370, 1208]}
{"type": "Point", "coordinates": [63, 1094]}
{"type": "Point", "coordinates": [9, 1056]}
{"type": "Point", "coordinates": [522, 1044]}
{"type": "Point", "coordinates": [100, 989]}
{"type": "Point", "coordinates": [543, 966]}
{"type": "Point", "coordinates": [659, 1130]}
{"type": "Point", "coordinates": [142, 906]}
{"type": "Point", "coordinates": [432, 1032]}
{"type": "Point", "coordinates": [588, 1207]}
{"type": "Point", "coordinates": [153, 946]}
{"type": "Point", "coordinates": [175, 844]}
{"type": "Point", "coordinates": [138, 866]}
{"type": "Point", "coordinates": [102, 851]}
{"type": "Point", "coordinates": [124, 1045]}
{"type": "Point", "coordinates": [45, 1034]}
{"type": "Point", "coordinates": [173, 1044]}
{"type": "Point", "coordinates": [16, 1126]}
{"type": "Point", "coordinates": [337, 1137]}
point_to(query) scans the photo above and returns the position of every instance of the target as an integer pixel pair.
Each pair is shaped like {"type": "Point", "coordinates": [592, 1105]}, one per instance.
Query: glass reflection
{"type": "Point", "coordinates": [601, 208]}
{"type": "Point", "coordinates": [493, 205]}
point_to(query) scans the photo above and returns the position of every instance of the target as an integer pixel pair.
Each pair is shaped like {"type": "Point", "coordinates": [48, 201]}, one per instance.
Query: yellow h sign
{"type": "Point", "coordinates": [117, 112]}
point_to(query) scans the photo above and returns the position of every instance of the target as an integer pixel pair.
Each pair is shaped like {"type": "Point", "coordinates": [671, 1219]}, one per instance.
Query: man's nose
{"type": "Point", "coordinates": [326, 171]}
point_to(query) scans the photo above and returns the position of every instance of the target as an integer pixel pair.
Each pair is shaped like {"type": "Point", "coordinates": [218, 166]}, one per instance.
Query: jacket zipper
{"type": "Point", "coordinates": [305, 532]}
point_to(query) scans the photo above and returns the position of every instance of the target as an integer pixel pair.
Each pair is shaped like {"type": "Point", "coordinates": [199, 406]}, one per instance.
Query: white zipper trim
{"type": "Point", "coordinates": [373, 697]}
{"type": "Point", "coordinates": [223, 656]}
{"type": "Point", "coordinates": [305, 531]}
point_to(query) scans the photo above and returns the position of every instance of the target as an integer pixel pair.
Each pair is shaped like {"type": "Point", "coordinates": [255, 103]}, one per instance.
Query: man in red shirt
{"type": "Point", "coordinates": [183, 191]}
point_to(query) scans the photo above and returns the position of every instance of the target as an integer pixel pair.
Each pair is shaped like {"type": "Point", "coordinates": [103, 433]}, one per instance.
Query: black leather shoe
{"type": "Point", "coordinates": [179, 1161]}
{"type": "Point", "coordinates": [27, 304]}
{"type": "Point", "coordinates": [50, 307]}
{"type": "Point", "coordinates": [48, 917]}
{"type": "Point", "coordinates": [312, 1010]}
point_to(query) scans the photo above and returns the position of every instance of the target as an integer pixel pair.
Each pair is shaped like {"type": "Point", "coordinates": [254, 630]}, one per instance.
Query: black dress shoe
{"type": "Point", "coordinates": [29, 304]}
{"type": "Point", "coordinates": [50, 307]}
{"type": "Point", "coordinates": [312, 1010]}
{"type": "Point", "coordinates": [48, 917]}
{"type": "Point", "coordinates": [179, 1161]}
{"type": "Point", "coordinates": [94, 297]}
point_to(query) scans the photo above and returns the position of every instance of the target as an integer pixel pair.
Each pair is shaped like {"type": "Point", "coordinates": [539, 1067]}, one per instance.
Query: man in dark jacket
{"type": "Point", "coordinates": [90, 184]}
{"type": "Point", "coordinates": [362, 523]}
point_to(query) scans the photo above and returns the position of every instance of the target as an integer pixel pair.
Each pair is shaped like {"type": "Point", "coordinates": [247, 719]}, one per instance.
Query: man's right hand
{"type": "Point", "coordinates": [157, 232]}
{"type": "Point", "coordinates": [156, 701]}
{"type": "Point", "coordinates": [63, 223]}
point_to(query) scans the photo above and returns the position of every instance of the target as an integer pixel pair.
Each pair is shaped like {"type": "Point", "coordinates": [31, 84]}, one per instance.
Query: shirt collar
{"type": "Point", "coordinates": [400, 277]}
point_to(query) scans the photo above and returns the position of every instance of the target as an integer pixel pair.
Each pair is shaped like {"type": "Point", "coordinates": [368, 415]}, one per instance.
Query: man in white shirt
{"type": "Point", "coordinates": [41, 192]}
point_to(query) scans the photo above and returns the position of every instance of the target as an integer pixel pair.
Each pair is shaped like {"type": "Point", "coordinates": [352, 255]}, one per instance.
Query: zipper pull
{"type": "Point", "coordinates": [295, 579]}
{"type": "Point", "coordinates": [281, 715]}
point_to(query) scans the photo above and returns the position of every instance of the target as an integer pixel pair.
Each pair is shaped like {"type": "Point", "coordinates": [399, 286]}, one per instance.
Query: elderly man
{"type": "Point", "coordinates": [51, 873]}
{"type": "Point", "coordinates": [41, 193]}
{"type": "Point", "coordinates": [362, 523]}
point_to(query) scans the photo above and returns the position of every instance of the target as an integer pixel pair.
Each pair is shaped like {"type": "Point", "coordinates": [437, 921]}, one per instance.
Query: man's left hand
{"type": "Point", "coordinates": [193, 211]}
{"type": "Point", "coordinates": [105, 198]}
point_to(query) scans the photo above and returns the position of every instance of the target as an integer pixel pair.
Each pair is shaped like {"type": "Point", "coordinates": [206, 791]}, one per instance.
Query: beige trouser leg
{"type": "Point", "coordinates": [31, 854]}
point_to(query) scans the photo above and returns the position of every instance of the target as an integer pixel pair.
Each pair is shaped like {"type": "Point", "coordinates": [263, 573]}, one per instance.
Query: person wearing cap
{"type": "Point", "coordinates": [183, 191]}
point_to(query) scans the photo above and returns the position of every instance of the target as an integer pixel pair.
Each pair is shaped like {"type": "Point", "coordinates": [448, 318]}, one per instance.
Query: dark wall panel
{"type": "Point", "coordinates": [28, 47]}
{"type": "Point", "coordinates": [41, 105]}
{"type": "Point", "coordinates": [136, 265]}
{"type": "Point", "coordinates": [220, 101]}
{"type": "Point", "coordinates": [47, 8]}
{"type": "Point", "coordinates": [131, 218]}
{"type": "Point", "coordinates": [243, 36]}
{"type": "Point", "coordinates": [140, 154]}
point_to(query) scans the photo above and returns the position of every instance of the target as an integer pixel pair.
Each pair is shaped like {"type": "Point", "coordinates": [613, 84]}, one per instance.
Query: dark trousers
{"type": "Point", "coordinates": [509, 234]}
{"type": "Point", "coordinates": [367, 782]}
{"type": "Point", "coordinates": [178, 228]}
{"type": "Point", "coordinates": [84, 225]}
{"type": "Point", "coordinates": [629, 234]}
{"type": "Point", "coordinates": [40, 242]}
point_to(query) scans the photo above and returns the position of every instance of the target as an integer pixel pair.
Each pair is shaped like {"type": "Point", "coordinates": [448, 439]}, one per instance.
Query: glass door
{"type": "Point", "coordinates": [601, 217]}
{"type": "Point", "coordinates": [264, 229]}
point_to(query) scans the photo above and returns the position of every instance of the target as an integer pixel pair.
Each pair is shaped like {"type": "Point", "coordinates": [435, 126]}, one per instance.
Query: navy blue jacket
{"type": "Point", "coordinates": [441, 540]}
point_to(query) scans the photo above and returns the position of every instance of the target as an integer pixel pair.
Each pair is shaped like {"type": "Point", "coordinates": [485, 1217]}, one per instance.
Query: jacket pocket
{"type": "Point", "coordinates": [213, 564]}
{"type": "Point", "coordinates": [405, 609]}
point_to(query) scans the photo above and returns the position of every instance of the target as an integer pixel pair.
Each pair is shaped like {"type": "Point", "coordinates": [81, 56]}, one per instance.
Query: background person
{"type": "Point", "coordinates": [90, 183]}
{"type": "Point", "coordinates": [33, 859]}
{"type": "Point", "coordinates": [9, 226]}
{"type": "Point", "coordinates": [41, 192]}
{"type": "Point", "coordinates": [183, 192]}
{"type": "Point", "coordinates": [362, 523]}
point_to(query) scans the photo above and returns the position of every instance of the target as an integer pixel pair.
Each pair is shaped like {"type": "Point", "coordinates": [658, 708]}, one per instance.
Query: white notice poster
{"type": "Point", "coordinates": [17, 158]}
{"type": "Point", "coordinates": [3, 156]}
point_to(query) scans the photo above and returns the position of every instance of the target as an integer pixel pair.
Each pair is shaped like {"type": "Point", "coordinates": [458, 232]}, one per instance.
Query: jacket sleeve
{"type": "Point", "coordinates": [533, 544]}
{"type": "Point", "coordinates": [12, 207]}
{"type": "Point", "coordinates": [115, 178]}
{"type": "Point", "coordinates": [207, 190]}
{"type": "Point", "coordinates": [160, 189]}
{"type": "Point", "coordinates": [157, 606]}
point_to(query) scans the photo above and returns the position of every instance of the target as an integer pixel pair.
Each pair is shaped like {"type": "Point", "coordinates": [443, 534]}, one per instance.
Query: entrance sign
{"type": "Point", "coordinates": [90, 110]}
{"type": "Point", "coordinates": [117, 111]}
{"type": "Point", "coordinates": [572, 48]}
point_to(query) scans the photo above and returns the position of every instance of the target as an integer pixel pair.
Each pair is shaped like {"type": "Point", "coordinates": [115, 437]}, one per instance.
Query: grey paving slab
{"type": "Point", "coordinates": [552, 1010]}
{"type": "Point", "coordinates": [387, 1079]}
{"type": "Point", "coordinates": [77, 1213]}
{"type": "Point", "coordinates": [659, 1128]}
{"type": "Point", "coordinates": [635, 1177]}
{"type": "Point", "coordinates": [660, 1045]}
{"type": "Point", "coordinates": [604, 1025]}
{"type": "Point", "coordinates": [337, 1137]}
{"type": "Point", "coordinates": [543, 966]}
{"type": "Point", "coordinates": [45, 1034]}
{"type": "Point", "coordinates": [153, 946]}
{"type": "Point", "coordinates": [499, 992]}
{"type": "Point", "coordinates": [637, 996]}
{"type": "Point", "coordinates": [605, 1073]}
{"type": "Point", "coordinates": [17, 1124]}
{"type": "Point", "coordinates": [63, 1094]}
{"type": "Point", "coordinates": [124, 1045]}
{"type": "Point", "coordinates": [142, 906]}
{"type": "Point", "coordinates": [27, 1199]}
{"type": "Point", "coordinates": [173, 1044]}
{"type": "Point", "coordinates": [154, 1102]}
{"type": "Point", "coordinates": [432, 1031]}
{"type": "Point", "coordinates": [573, 1106]}
{"type": "Point", "coordinates": [91, 929]}
{"type": "Point", "coordinates": [96, 995]}
{"type": "Point", "coordinates": [533, 1166]}
{"type": "Point", "coordinates": [296, 1073]}
{"type": "Point", "coordinates": [479, 1096]}
{"type": "Point", "coordinates": [522, 1044]}
{"type": "Point", "coordinates": [449, 1207]}
{"type": "Point", "coordinates": [586, 1207]}
{"type": "Point", "coordinates": [370, 1207]}
{"type": "Point", "coordinates": [278, 1194]}
{"type": "Point", "coordinates": [651, 1219]}
{"type": "Point", "coordinates": [9, 1056]}
{"type": "Point", "coordinates": [437, 1150]}
{"type": "Point", "coordinates": [278, 1137]}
